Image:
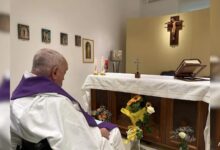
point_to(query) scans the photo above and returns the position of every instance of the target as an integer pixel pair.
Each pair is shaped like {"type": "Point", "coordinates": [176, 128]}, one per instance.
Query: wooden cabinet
{"type": "Point", "coordinates": [215, 131]}
{"type": "Point", "coordinates": [187, 113]}
{"type": "Point", "coordinates": [170, 114]}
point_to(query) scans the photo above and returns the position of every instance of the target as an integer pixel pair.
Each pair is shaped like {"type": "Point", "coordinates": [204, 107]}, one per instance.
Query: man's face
{"type": "Point", "coordinates": [61, 73]}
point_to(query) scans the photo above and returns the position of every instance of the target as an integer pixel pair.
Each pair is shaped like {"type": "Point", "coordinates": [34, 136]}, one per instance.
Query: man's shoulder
{"type": "Point", "coordinates": [51, 95]}
{"type": "Point", "coordinates": [49, 98]}
{"type": "Point", "coordinates": [38, 102]}
{"type": "Point", "coordinates": [54, 98]}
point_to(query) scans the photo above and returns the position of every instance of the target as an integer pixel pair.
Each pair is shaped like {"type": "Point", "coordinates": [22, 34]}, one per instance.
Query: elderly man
{"type": "Point", "coordinates": [41, 109]}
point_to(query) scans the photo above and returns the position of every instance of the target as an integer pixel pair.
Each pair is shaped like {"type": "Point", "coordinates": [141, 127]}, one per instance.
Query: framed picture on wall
{"type": "Point", "coordinates": [4, 22]}
{"type": "Point", "coordinates": [63, 39]}
{"type": "Point", "coordinates": [45, 35]}
{"type": "Point", "coordinates": [23, 32]}
{"type": "Point", "coordinates": [77, 40]}
{"type": "Point", "coordinates": [88, 51]}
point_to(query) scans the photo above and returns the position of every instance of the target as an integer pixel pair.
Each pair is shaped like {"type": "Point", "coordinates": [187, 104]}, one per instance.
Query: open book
{"type": "Point", "coordinates": [189, 68]}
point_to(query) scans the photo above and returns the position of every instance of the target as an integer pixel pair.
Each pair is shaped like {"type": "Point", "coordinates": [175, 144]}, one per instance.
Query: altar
{"type": "Point", "coordinates": [176, 102]}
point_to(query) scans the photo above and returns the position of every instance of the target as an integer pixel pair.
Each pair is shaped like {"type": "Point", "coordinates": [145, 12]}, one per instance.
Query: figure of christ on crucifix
{"type": "Point", "coordinates": [173, 27]}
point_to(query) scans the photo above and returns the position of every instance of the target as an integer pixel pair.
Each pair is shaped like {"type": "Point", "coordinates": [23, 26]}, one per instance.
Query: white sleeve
{"type": "Point", "coordinates": [78, 134]}
{"type": "Point", "coordinates": [115, 139]}
{"type": "Point", "coordinates": [15, 141]}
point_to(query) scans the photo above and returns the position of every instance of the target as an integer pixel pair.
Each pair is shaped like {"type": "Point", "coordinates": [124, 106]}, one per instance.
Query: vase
{"type": "Point", "coordinates": [184, 148]}
{"type": "Point", "coordinates": [183, 145]}
{"type": "Point", "coordinates": [135, 145]}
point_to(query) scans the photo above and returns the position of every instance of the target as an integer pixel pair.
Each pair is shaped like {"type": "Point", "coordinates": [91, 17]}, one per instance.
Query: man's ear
{"type": "Point", "coordinates": [54, 72]}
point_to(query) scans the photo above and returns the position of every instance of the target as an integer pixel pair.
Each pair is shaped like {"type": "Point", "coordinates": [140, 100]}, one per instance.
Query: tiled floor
{"type": "Point", "coordinates": [143, 147]}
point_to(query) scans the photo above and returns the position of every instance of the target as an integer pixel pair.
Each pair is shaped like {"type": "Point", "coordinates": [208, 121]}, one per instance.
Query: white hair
{"type": "Point", "coordinates": [44, 60]}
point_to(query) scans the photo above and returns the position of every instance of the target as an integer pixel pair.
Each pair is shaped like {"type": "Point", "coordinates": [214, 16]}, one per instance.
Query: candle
{"type": "Point", "coordinates": [102, 66]}
{"type": "Point", "coordinates": [106, 65]}
{"type": "Point", "coordinates": [95, 67]}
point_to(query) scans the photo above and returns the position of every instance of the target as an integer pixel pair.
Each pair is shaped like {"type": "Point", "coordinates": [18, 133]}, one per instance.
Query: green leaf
{"type": "Point", "coordinates": [146, 119]}
{"type": "Point", "coordinates": [139, 124]}
{"type": "Point", "coordinates": [134, 107]}
{"type": "Point", "coordinates": [148, 129]}
{"type": "Point", "coordinates": [139, 134]}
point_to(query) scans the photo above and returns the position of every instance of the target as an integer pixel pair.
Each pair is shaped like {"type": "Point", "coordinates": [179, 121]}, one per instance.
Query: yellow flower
{"type": "Point", "coordinates": [131, 133]}
{"type": "Point", "coordinates": [134, 117]}
{"type": "Point", "coordinates": [134, 131]}
{"type": "Point", "coordinates": [134, 100]}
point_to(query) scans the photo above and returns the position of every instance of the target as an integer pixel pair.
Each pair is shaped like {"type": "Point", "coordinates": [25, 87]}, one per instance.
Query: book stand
{"type": "Point", "coordinates": [188, 69]}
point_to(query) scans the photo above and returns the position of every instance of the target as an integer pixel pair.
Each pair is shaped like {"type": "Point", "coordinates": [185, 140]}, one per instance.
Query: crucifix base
{"type": "Point", "coordinates": [137, 75]}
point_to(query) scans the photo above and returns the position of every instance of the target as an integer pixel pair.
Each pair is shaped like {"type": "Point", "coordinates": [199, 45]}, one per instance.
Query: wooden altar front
{"type": "Point", "coordinates": [170, 114]}
{"type": "Point", "coordinates": [112, 91]}
{"type": "Point", "coordinates": [215, 132]}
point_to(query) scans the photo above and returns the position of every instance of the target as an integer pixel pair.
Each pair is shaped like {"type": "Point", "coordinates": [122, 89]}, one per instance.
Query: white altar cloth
{"type": "Point", "coordinates": [152, 85]}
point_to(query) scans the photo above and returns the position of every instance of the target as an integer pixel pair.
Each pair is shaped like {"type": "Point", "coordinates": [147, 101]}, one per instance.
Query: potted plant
{"type": "Point", "coordinates": [139, 111]}
{"type": "Point", "coordinates": [185, 135]}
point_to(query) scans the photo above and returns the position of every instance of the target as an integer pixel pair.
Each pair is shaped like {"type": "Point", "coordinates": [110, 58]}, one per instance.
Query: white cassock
{"type": "Point", "coordinates": [5, 125]}
{"type": "Point", "coordinates": [58, 119]}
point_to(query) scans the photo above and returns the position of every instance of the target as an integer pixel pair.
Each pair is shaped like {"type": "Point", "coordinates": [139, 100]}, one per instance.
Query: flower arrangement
{"type": "Point", "coordinates": [185, 135]}
{"type": "Point", "coordinates": [102, 114]}
{"type": "Point", "coordinates": [139, 111]}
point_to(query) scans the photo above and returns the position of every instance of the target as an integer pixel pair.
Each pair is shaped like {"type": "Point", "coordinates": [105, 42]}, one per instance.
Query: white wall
{"type": "Point", "coordinates": [167, 7]}
{"type": "Point", "coordinates": [4, 40]}
{"type": "Point", "coordinates": [5, 6]}
{"type": "Point", "coordinates": [159, 8]}
{"type": "Point", "coordinates": [147, 39]}
{"type": "Point", "coordinates": [102, 21]}
{"type": "Point", "coordinates": [191, 5]}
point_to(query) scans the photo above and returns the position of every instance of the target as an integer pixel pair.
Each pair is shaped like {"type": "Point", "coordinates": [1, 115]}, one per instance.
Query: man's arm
{"type": "Point", "coordinates": [76, 127]}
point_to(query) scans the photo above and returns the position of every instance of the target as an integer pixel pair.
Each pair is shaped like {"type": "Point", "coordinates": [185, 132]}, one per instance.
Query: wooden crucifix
{"type": "Point", "coordinates": [174, 26]}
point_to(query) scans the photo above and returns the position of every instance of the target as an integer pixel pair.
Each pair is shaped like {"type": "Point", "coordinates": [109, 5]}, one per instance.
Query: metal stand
{"type": "Point", "coordinates": [137, 75]}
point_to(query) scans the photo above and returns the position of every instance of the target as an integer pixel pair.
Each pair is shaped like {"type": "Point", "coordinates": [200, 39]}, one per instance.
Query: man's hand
{"type": "Point", "coordinates": [105, 133]}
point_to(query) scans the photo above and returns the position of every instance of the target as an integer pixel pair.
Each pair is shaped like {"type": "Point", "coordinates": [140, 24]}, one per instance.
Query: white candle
{"type": "Point", "coordinates": [102, 65]}
{"type": "Point", "coordinates": [95, 66]}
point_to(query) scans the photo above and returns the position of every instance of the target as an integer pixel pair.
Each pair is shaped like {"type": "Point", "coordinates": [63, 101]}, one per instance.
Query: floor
{"type": "Point", "coordinates": [143, 147]}
{"type": "Point", "coordinates": [127, 147]}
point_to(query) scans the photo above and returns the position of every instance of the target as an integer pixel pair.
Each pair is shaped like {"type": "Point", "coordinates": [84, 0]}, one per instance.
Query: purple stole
{"type": "Point", "coordinates": [39, 84]}
{"type": "Point", "coordinates": [5, 90]}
